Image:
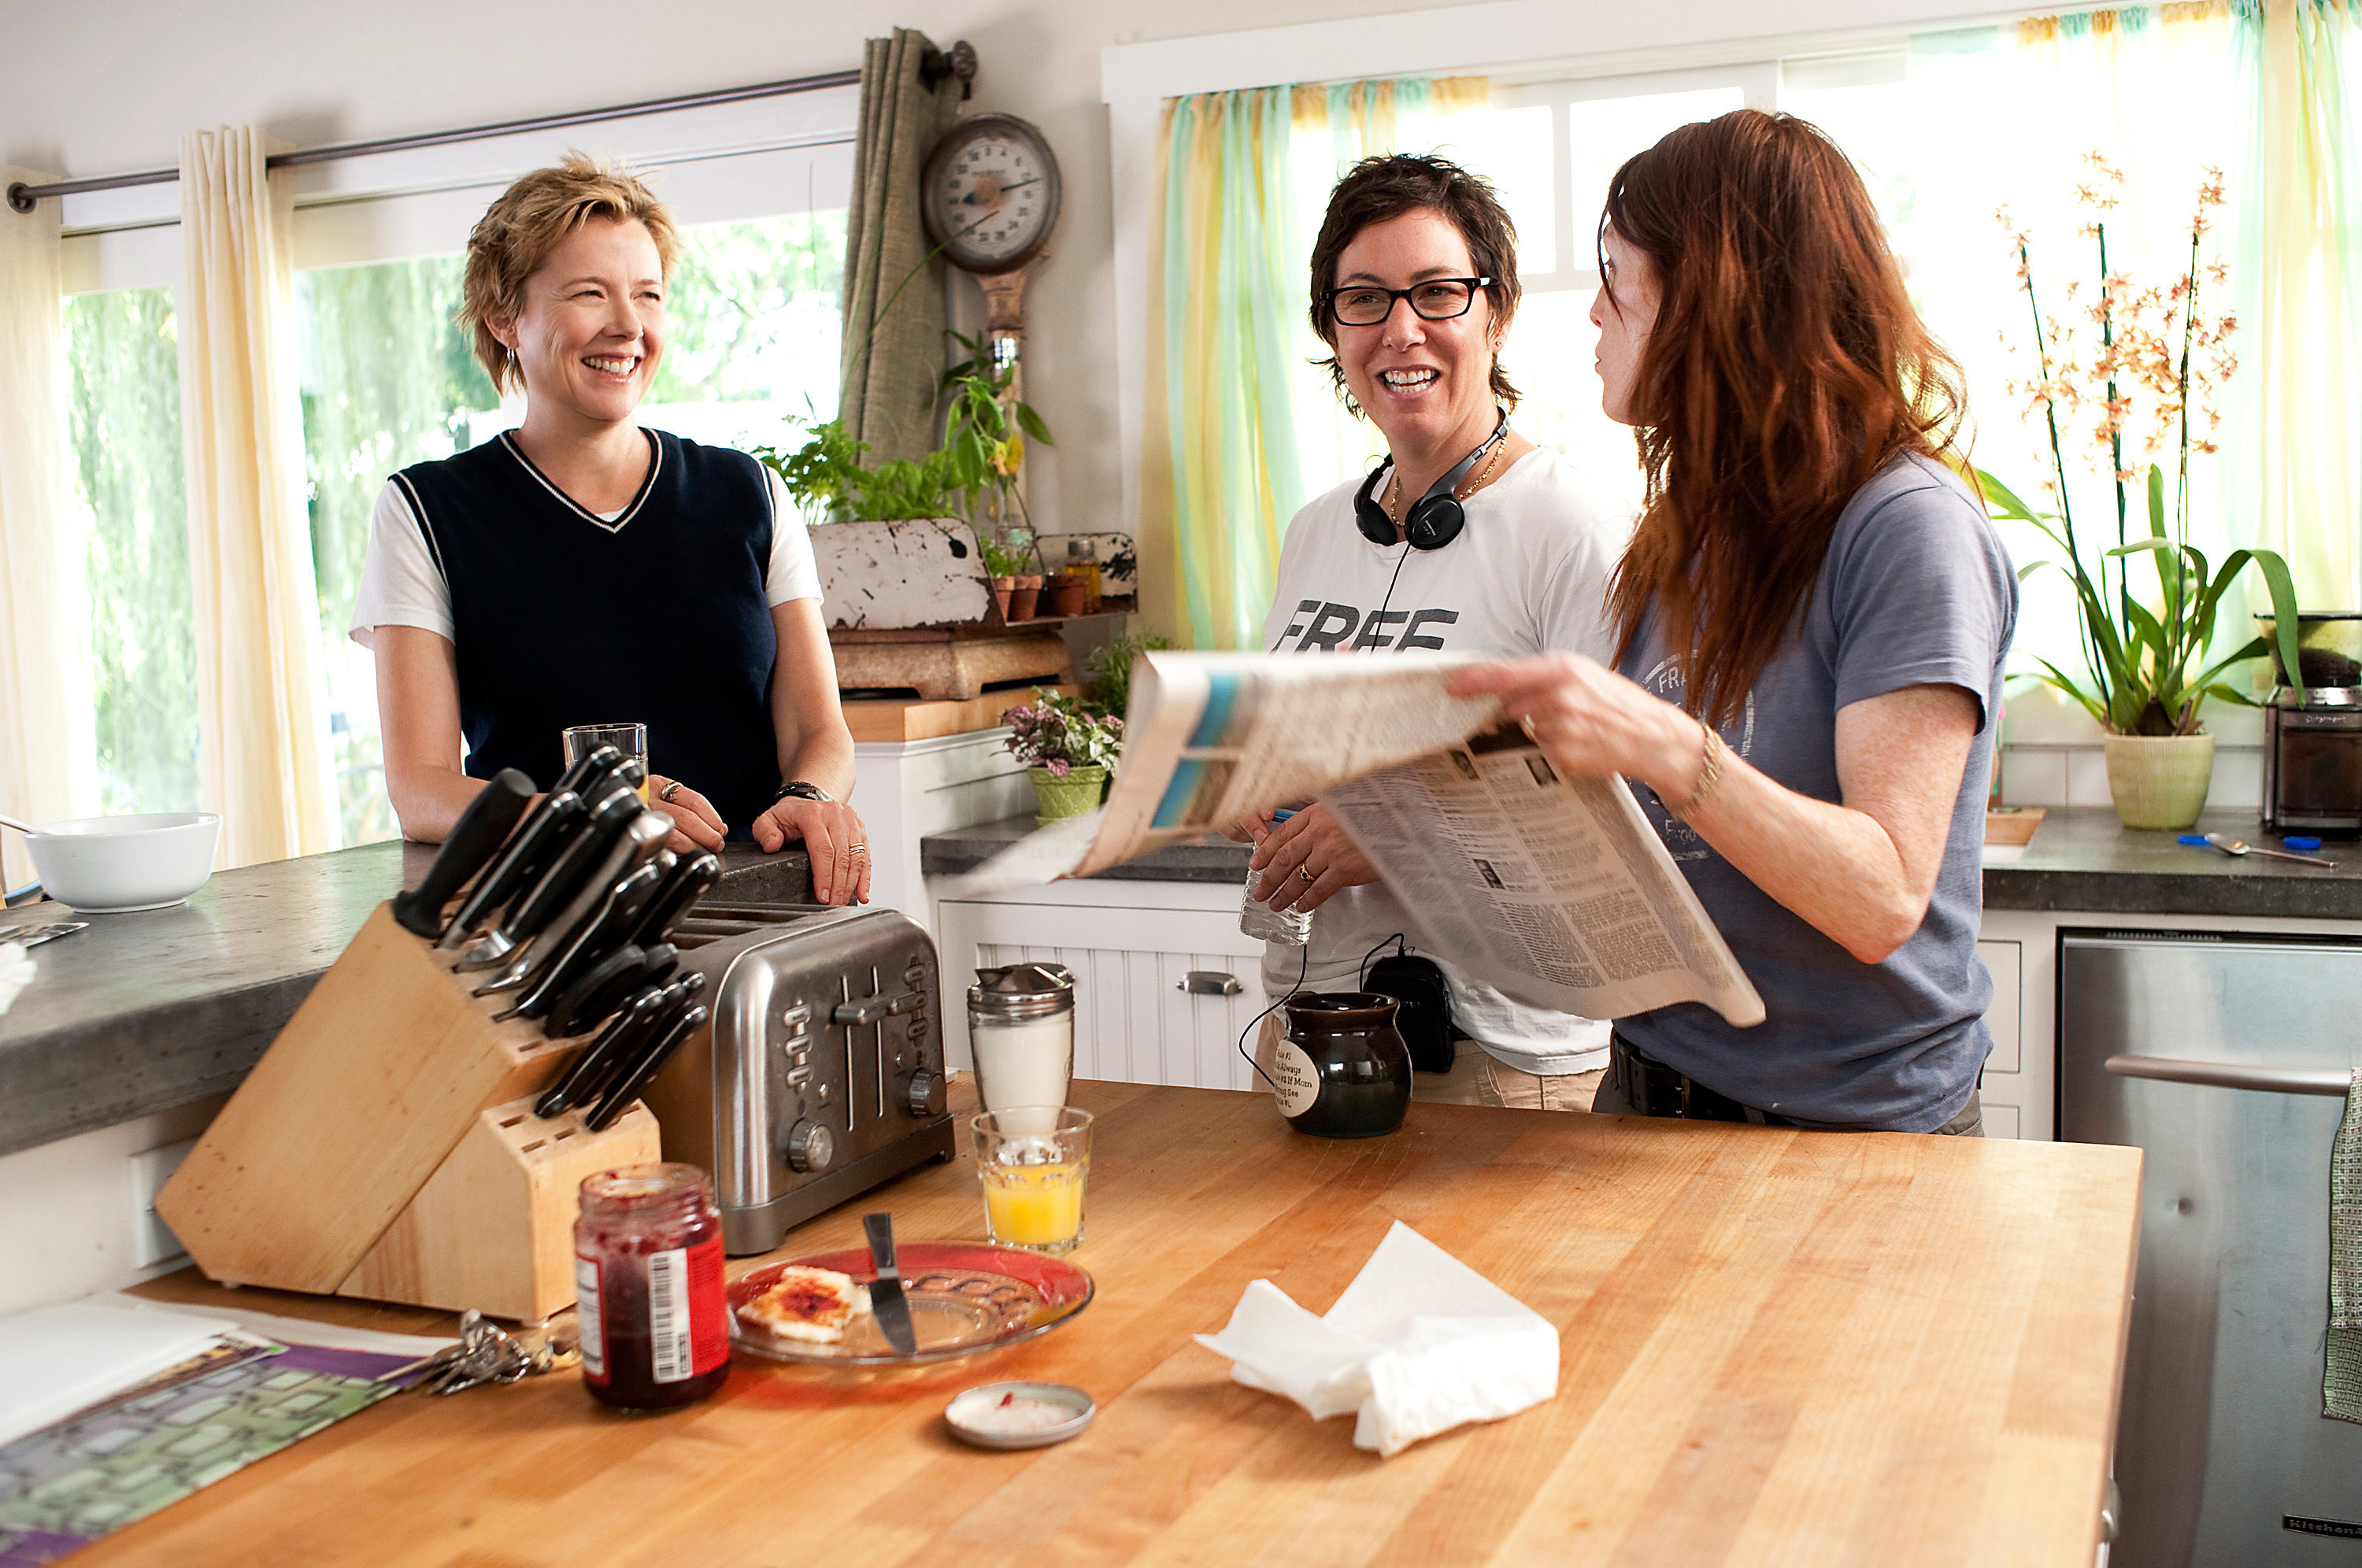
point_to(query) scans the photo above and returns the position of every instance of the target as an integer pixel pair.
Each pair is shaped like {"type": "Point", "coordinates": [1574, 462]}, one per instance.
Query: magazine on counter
{"type": "Point", "coordinates": [1556, 891]}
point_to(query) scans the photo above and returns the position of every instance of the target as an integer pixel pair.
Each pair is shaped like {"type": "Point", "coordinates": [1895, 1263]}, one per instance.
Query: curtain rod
{"type": "Point", "coordinates": [934, 65]}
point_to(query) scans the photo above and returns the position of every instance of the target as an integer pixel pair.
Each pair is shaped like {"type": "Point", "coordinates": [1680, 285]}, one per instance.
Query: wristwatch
{"type": "Point", "coordinates": [801, 791]}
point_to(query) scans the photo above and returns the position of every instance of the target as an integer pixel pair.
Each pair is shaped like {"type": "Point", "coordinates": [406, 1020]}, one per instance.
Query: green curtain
{"type": "Point", "coordinates": [1221, 470]}
{"type": "Point", "coordinates": [2299, 478]}
{"type": "Point", "coordinates": [894, 321]}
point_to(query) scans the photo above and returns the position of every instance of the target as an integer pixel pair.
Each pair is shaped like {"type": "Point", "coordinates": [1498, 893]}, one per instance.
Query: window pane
{"type": "Point", "coordinates": [1603, 132]}
{"type": "Point", "coordinates": [1511, 148]}
{"type": "Point", "coordinates": [751, 339]}
{"type": "Point", "coordinates": [1549, 355]}
{"type": "Point", "coordinates": [123, 348]}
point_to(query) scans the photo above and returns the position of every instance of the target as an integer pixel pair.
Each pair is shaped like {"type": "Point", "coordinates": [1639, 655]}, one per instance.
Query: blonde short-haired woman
{"type": "Point", "coordinates": [583, 569]}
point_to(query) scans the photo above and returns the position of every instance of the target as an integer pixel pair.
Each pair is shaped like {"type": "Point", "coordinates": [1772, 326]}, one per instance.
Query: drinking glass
{"type": "Point", "coordinates": [1033, 1179]}
{"type": "Point", "coordinates": [631, 740]}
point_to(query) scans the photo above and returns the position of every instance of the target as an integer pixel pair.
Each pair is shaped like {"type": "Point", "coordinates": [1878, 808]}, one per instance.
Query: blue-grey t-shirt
{"type": "Point", "coordinates": [1916, 589]}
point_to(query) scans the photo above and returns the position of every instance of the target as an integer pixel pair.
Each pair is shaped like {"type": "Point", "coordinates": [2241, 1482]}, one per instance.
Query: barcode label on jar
{"type": "Point", "coordinates": [669, 1315]}
{"type": "Point", "coordinates": [586, 1316]}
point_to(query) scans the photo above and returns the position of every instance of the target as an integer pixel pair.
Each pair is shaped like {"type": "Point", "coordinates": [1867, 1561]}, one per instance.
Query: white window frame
{"type": "Point", "coordinates": [1517, 43]}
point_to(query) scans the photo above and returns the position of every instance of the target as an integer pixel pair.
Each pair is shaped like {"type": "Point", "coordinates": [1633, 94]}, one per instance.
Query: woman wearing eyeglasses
{"type": "Point", "coordinates": [1468, 538]}
{"type": "Point", "coordinates": [1810, 627]}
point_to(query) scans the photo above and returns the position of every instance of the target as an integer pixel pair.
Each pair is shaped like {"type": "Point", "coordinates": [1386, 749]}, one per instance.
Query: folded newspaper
{"type": "Point", "coordinates": [1556, 891]}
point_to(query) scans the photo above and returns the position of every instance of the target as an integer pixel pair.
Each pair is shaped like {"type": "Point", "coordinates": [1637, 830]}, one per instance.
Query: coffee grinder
{"type": "Point", "coordinates": [2313, 730]}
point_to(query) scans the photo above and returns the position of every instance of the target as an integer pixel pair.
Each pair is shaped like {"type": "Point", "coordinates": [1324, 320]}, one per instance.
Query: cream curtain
{"type": "Point", "coordinates": [262, 743]}
{"type": "Point", "coordinates": [46, 744]}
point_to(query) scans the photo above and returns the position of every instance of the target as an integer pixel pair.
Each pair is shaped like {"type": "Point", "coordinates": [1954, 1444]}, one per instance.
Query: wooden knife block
{"type": "Point", "coordinates": [385, 1147]}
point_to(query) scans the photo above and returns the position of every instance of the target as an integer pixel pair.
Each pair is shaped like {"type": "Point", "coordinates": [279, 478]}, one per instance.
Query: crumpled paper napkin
{"type": "Point", "coordinates": [1417, 1344]}
{"type": "Point", "coordinates": [16, 971]}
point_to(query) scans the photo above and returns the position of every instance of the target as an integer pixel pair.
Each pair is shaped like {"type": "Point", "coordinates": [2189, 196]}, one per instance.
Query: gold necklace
{"type": "Point", "coordinates": [1461, 492]}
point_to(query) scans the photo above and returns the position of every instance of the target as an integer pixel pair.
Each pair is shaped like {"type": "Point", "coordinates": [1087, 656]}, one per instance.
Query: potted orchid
{"type": "Point", "coordinates": [2138, 371]}
{"type": "Point", "coordinates": [1067, 751]}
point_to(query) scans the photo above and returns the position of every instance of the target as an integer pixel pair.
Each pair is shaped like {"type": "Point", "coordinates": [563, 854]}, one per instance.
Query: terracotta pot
{"type": "Point", "coordinates": [1024, 593]}
{"type": "Point", "coordinates": [1068, 592]}
{"type": "Point", "coordinates": [1075, 795]}
{"type": "Point", "coordinates": [1002, 587]}
{"type": "Point", "coordinates": [2160, 781]}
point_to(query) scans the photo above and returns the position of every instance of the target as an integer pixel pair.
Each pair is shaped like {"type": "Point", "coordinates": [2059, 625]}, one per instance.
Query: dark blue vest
{"type": "Point", "coordinates": [658, 618]}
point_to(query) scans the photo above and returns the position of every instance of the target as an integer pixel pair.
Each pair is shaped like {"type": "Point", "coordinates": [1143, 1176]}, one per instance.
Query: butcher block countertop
{"type": "Point", "coordinates": [1777, 1346]}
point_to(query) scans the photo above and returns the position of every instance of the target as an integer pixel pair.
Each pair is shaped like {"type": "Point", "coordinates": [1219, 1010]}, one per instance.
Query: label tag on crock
{"type": "Point", "coordinates": [1296, 1083]}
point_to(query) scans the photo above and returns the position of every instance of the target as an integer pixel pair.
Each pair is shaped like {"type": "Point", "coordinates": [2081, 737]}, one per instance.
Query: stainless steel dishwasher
{"type": "Point", "coordinates": [2225, 1058]}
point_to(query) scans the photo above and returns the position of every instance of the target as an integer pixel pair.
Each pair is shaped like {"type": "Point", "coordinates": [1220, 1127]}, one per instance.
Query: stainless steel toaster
{"type": "Point", "coordinates": [821, 1073]}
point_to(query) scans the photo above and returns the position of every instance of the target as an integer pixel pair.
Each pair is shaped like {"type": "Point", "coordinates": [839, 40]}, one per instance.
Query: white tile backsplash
{"type": "Point", "coordinates": [2077, 776]}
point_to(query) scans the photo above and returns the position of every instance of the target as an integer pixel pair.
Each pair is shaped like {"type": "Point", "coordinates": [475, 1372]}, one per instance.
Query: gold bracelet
{"type": "Point", "coordinates": [1709, 774]}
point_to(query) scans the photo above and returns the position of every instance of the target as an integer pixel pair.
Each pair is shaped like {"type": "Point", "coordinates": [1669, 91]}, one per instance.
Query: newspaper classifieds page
{"type": "Point", "coordinates": [1556, 891]}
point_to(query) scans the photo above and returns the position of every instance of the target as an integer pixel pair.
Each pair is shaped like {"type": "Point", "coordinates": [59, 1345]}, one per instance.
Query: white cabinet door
{"type": "Point", "coordinates": [1134, 1022]}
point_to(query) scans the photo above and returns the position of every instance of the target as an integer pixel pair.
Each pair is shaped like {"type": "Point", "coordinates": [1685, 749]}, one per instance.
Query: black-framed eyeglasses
{"type": "Point", "coordinates": [1435, 298]}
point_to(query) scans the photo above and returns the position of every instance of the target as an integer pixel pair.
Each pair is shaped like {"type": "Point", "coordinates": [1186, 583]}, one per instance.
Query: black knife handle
{"type": "Point", "coordinates": [689, 882]}
{"type": "Point", "coordinates": [599, 992]}
{"type": "Point", "coordinates": [591, 771]}
{"type": "Point", "coordinates": [591, 1069]}
{"type": "Point", "coordinates": [542, 836]}
{"type": "Point", "coordinates": [563, 880]}
{"type": "Point", "coordinates": [475, 838]}
{"type": "Point", "coordinates": [636, 1077]}
{"type": "Point", "coordinates": [593, 931]}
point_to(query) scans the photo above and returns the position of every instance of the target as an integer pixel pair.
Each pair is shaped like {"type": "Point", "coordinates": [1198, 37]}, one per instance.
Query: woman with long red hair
{"type": "Point", "coordinates": [1811, 620]}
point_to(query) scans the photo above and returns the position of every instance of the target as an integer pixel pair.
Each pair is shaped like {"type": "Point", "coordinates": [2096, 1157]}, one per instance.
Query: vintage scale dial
{"type": "Point", "coordinates": [990, 194]}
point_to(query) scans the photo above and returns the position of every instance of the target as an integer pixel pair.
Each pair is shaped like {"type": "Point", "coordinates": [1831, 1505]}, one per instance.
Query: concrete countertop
{"type": "Point", "coordinates": [2081, 859]}
{"type": "Point", "coordinates": [145, 1012]}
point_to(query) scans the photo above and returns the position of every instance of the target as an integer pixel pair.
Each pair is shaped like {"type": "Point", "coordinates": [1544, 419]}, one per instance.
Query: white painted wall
{"type": "Point", "coordinates": [109, 89]}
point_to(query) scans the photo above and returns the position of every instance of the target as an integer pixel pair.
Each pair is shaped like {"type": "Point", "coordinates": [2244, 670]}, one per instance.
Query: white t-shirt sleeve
{"type": "Point", "coordinates": [1573, 613]}
{"type": "Point", "coordinates": [793, 573]}
{"type": "Point", "coordinates": [400, 585]}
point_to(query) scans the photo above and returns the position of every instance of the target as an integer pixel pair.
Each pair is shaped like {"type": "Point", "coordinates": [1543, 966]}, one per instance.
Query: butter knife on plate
{"type": "Point", "coordinates": [886, 1298]}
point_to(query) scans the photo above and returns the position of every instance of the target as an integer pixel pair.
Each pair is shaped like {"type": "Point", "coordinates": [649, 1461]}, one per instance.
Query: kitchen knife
{"type": "Point", "coordinates": [652, 1058]}
{"type": "Point", "coordinates": [610, 815]}
{"type": "Point", "coordinates": [601, 990]}
{"type": "Point", "coordinates": [623, 1036]}
{"type": "Point", "coordinates": [643, 834]}
{"type": "Point", "coordinates": [591, 771]}
{"type": "Point", "coordinates": [586, 948]}
{"type": "Point", "coordinates": [689, 882]}
{"type": "Point", "coordinates": [475, 838]}
{"type": "Point", "coordinates": [543, 835]}
{"type": "Point", "coordinates": [886, 1298]}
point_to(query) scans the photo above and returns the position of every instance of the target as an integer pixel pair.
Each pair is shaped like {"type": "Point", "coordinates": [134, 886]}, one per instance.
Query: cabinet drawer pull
{"type": "Point", "coordinates": [1210, 983]}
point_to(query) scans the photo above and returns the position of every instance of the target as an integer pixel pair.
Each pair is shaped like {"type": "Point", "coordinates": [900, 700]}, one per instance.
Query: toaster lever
{"type": "Point", "coordinates": [868, 1009]}
{"type": "Point", "coordinates": [908, 1001]}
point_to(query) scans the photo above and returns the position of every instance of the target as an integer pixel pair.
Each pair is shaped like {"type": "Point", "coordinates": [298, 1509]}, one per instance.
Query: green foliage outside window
{"type": "Point", "coordinates": [123, 348]}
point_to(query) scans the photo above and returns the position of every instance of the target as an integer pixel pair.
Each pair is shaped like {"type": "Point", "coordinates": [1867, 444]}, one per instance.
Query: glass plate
{"type": "Point", "coordinates": [965, 1296]}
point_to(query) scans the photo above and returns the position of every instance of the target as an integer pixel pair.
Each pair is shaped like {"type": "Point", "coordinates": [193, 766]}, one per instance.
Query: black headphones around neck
{"type": "Point", "coordinates": [1436, 518]}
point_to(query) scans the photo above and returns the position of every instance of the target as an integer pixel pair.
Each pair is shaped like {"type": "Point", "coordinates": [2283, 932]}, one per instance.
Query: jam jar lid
{"type": "Point", "coordinates": [1022, 990]}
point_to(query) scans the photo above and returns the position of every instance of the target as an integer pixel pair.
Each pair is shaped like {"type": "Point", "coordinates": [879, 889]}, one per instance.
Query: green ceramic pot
{"type": "Point", "coordinates": [1075, 795]}
{"type": "Point", "coordinates": [2160, 781]}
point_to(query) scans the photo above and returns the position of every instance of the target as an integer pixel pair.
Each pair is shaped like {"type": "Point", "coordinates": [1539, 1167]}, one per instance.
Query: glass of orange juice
{"type": "Point", "coordinates": [631, 740]}
{"type": "Point", "coordinates": [1033, 1160]}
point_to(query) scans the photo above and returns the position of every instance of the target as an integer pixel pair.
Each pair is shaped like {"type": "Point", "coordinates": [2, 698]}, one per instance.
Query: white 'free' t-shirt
{"type": "Point", "coordinates": [1528, 574]}
{"type": "Point", "coordinates": [402, 586]}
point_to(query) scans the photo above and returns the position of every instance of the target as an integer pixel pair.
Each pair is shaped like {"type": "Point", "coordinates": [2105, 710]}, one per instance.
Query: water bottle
{"type": "Point", "coordinates": [1260, 920]}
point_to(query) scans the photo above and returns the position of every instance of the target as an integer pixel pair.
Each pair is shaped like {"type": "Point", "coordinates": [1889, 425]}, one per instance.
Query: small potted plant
{"type": "Point", "coordinates": [2149, 604]}
{"type": "Point", "coordinates": [1006, 565]}
{"type": "Point", "coordinates": [1067, 749]}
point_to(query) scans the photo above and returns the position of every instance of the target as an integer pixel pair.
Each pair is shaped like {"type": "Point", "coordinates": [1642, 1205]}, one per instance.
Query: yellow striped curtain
{"type": "Point", "coordinates": [1227, 298]}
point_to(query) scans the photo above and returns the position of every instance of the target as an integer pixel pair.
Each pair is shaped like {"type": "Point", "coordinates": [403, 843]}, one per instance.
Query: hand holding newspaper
{"type": "Point", "coordinates": [1556, 891]}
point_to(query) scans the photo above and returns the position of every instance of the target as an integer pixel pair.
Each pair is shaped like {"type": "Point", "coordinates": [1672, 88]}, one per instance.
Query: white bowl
{"type": "Point", "coordinates": [113, 865]}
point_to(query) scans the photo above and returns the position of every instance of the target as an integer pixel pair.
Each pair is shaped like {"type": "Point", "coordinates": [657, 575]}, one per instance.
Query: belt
{"type": "Point", "coordinates": [1655, 1089]}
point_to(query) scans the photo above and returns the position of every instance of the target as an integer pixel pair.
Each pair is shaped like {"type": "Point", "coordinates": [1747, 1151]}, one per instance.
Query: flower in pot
{"type": "Point", "coordinates": [2146, 606]}
{"type": "Point", "coordinates": [1067, 749]}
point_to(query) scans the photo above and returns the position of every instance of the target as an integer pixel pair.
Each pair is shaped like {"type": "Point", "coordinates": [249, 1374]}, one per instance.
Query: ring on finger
{"type": "Point", "coordinates": [1307, 873]}
{"type": "Point", "coordinates": [671, 789]}
{"type": "Point", "coordinates": [1527, 724]}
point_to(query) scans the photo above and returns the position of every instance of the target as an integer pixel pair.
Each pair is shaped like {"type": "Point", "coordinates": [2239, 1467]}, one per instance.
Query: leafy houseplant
{"type": "Point", "coordinates": [2145, 650]}
{"type": "Point", "coordinates": [1110, 665]}
{"type": "Point", "coordinates": [1066, 749]}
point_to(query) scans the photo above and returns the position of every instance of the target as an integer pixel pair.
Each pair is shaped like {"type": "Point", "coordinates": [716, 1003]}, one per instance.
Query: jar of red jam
{"type": "Point", "coordinates": [647, 1286]}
